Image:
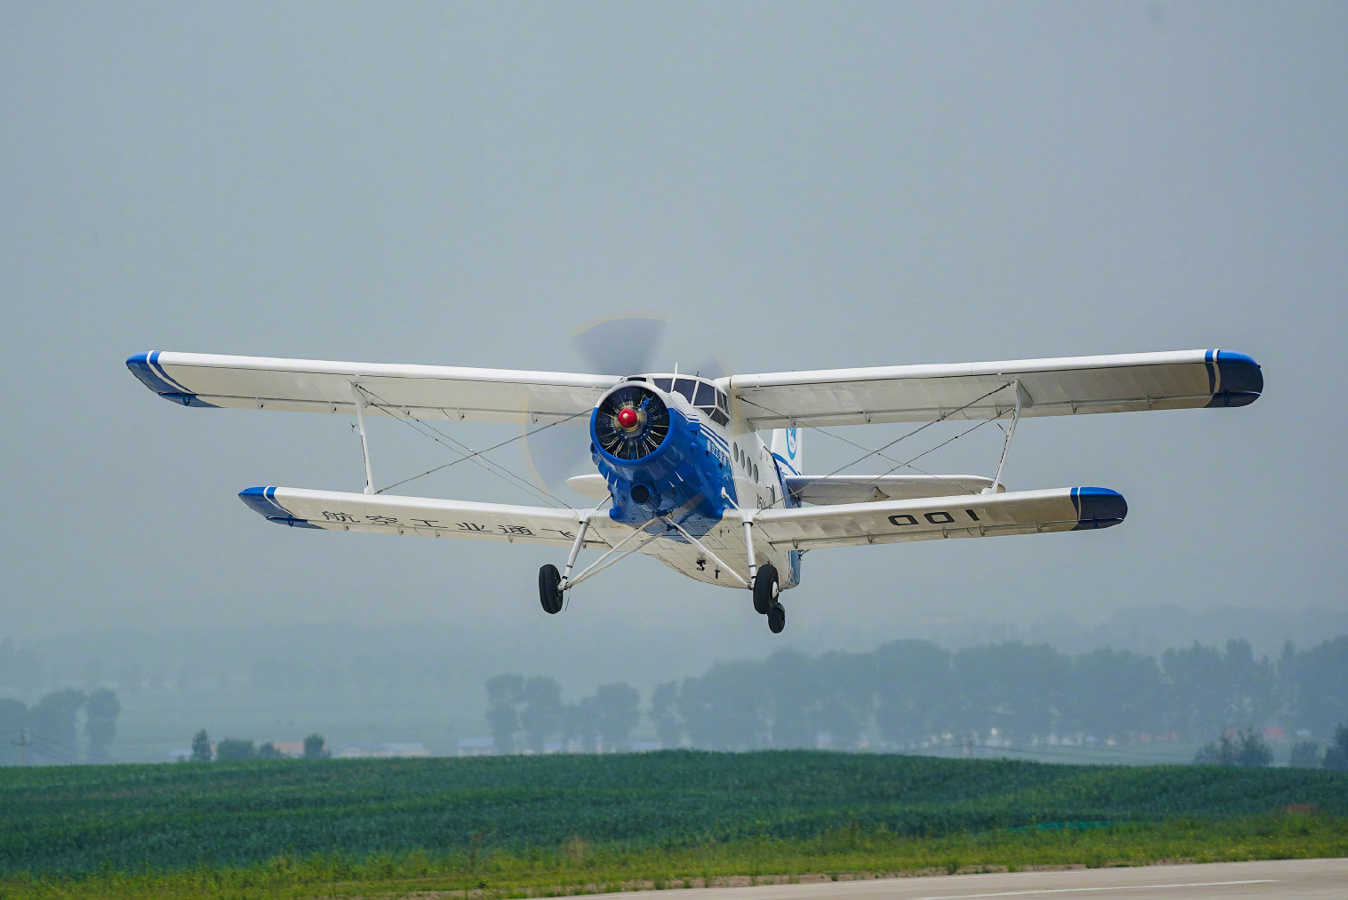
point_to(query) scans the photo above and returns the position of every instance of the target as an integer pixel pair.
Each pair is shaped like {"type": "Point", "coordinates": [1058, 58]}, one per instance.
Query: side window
{"type": "Point", "coordinates": [721, 401]}
{"type": "Point", "coordinates": [719, 417]}
{"type": "Point", "coordinates": [706, 395]}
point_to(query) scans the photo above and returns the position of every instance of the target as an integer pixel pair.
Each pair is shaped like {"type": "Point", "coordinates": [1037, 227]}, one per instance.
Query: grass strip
{"type": "Point", "coordinates": [579, 867]}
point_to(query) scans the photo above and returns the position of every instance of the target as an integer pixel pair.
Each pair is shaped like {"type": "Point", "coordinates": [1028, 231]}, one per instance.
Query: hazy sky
{"type": "Point", "coordinates": [793, 185]}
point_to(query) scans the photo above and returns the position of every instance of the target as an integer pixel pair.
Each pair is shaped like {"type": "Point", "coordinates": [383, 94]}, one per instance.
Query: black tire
{"type": "Point", "coordinates": [549, 589]}
{"type": "Point", "coordinates": [777, 619]}
{"type": "Point", "coordinates": [765, 589]}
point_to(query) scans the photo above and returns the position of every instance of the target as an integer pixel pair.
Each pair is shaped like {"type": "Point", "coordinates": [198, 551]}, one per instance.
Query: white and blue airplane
{"type": "Point", "coordinates": [705, 474]}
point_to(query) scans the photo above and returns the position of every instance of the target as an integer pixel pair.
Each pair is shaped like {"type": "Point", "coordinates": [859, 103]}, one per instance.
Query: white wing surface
{"type": "Point", "coordinates": [426, 392]}
{"type": "Point", "coordinates": [985, 515]}
{"type": "Point", "coordinates": [388, 514]}
{"type": "Point", "coordinates": [827, 490]}
{"type": "Point", "coordinates": [1184, 379]}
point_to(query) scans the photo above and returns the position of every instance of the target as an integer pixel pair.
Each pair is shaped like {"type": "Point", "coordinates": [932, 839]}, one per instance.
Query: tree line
{"type": "Point", "coordinates": [528, 713]}
{"type": "Point", "coordinates": [238, 749]}
{"type": "Point", "coordinates": [908, 694]}
{"type": "Point", "coordinates": [49, 731]}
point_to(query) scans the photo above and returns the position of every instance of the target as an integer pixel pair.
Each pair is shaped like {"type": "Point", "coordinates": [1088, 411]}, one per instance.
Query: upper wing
{"type": "Point", "coordinates": [1182, 379]}
{"type": "Point", "coordinates": [308, 385]}
{"type": "Point", "coordinates": [984, 515]}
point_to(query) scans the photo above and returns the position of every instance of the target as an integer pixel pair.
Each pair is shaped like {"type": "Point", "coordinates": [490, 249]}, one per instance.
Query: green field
{"type": "Point", "coordinates": [511, 825]}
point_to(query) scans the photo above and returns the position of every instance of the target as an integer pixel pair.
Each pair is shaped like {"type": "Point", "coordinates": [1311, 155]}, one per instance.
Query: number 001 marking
{"type": "Point", "coordinates": [940, 517]}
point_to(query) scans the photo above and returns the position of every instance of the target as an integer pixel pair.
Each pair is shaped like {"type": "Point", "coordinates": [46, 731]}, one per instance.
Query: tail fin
{"type": "Point", "coordinates": [786, 447]}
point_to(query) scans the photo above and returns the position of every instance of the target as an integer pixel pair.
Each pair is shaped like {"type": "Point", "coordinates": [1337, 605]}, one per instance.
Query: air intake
{"type": "Point", "coordinates": [631, 423]}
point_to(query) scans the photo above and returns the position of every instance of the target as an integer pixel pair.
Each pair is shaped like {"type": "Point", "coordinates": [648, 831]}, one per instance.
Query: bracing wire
{"type": "Point", "coordinates": [861, 488]}
{"type": "Point", "coordinates": [467, 452]}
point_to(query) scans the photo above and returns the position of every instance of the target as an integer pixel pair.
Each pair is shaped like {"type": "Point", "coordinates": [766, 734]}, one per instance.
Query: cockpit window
{"type": "Point", "coordinates": [685, 386]}
{"type": "Point", "coordinates": [706, 395]}
{"type": "Point", "coordinates": [663, 384]}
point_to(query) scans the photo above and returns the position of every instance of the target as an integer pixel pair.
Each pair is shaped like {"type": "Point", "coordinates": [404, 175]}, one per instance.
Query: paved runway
{"type": "Point", "coordinates": [1301, 879]}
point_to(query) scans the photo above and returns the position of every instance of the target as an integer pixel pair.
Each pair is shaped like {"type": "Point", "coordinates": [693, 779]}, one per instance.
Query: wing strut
{"type": "Point", "coordinates": [604, 562]}
{"type": "Point", "coordinates": [1022, 397]}
{"type": "Point", "coordinates": [364, 445]}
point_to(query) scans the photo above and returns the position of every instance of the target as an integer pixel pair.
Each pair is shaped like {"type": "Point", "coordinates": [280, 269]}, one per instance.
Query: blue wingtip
{"type": "Point", "coordinates": [262, 500]}
{"type": "Point", "coordinates": [1236, 379]}
{"type": "Point", "coordinates": [1098, 507]}
{"type": "Point", "coordinates": [146, 367]}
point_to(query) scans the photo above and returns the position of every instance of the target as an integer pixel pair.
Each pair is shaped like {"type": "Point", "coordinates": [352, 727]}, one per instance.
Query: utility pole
{"type": "Point", "coordinates": [22, 744]}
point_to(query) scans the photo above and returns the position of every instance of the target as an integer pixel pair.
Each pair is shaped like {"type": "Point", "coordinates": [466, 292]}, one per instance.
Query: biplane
{"type": "Point", "coordinates": [705, 474]}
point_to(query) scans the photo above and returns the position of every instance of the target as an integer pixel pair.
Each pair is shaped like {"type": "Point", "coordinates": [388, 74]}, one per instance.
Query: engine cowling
{"type": "Point", "coordinates": [631, 423]}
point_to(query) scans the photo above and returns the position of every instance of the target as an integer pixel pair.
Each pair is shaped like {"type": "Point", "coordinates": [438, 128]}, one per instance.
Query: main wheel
{"type": "Point", "coordinates": [765, 589]}
{"type": "Point", "coordinates": [777, 619]}
{"type": "Point", "coordinates": [549, 589]}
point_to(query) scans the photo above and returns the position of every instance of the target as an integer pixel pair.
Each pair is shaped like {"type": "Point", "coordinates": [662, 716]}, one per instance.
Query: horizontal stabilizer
{"type": "Point", "coordinates": [827, 490]}
{"type": "Point", "coordinates": [985, 515]}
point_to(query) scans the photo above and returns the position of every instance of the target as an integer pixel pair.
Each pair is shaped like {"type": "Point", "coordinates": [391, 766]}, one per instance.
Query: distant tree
{"type": "Point", "coordinates": [52, 720]}
{"type": "Point", "coordinates": [1320, 688]}
{"type": "Point", "coordinates": [13, 718]}
{"type": "Point", "coordinates": [504, 693]}
{"type": "Point", "coordinates": [201, 747]}
{"type": "Point", "coordinates": [1336, 754]}
{"type": "Point", "coordinates": [100, 720]}
{"type": "Point", "coordinates": [1196, 689]}
{"type": "Point", "coordinates": [915, 692]}
{"type": "Point", "coordinates": [1305, 755]}
{"type": "Point", "coordinates": [315, 747]}
{"type": "Point", "coordinates": [795, 704]}
{"type": "Point", "coordinates": [846, 696]}
{"type": "Point", "coordinates": [1246, 750]}
{"type": "Point", "coordinates": [664, 715]}
{"type": "Point", "coordinates": [581, 721]}
{"type": "Point", "coordinates": [1252, 752]}
{"type": "Point", "coordinates": [233, 750]}
{"type": "Point", "coordinates": [619, 709]}
{"type": "Point", "coordinates": [542, 714]}
{"type": "Point", "coordinates": [1112, 694]}
{"type": "Point", "coordinates": [269, 751]}
{"type": "Point", "coordinates": [723, 710]}
{"type": "Point", "coordinates": [1221, 752]}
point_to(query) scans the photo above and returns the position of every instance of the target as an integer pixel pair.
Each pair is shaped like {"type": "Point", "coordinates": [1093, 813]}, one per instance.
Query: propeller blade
{"type": "Point", "coordinates": [713, 367]}
{"type": "Point", "coordinates": [620, 345]}
{"type": "Point", "coordinates": [555, 454]}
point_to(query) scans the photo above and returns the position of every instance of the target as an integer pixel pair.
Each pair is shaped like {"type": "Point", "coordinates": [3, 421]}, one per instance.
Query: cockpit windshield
{"type": "Point", "coordinates": [699, 392]}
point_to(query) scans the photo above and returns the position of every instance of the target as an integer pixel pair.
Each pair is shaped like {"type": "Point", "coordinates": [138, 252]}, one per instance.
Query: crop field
{"type": "Point", "coordinates": [520, 825]}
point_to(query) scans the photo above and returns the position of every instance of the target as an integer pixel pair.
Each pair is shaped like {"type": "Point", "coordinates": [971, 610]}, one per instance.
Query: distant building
{"type": "Point", "coordinates": [292, 749]}
{"type": "Point", "coordinates": [477, 746]}
{"type": "Point", "coordinates": [381, 751]}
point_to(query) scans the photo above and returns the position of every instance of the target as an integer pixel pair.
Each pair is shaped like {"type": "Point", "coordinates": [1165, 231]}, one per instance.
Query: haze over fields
{"type": "Point", "coordinates": [803, 186]}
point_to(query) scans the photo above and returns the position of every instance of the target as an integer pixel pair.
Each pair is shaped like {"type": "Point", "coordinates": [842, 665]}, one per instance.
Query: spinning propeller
{"type": "Point", "coordinates": [624, 344]}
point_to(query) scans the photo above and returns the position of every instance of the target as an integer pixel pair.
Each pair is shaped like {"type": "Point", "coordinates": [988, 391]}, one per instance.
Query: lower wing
{"type": "Point", "coordinates": [982, 515]}
{"type": "Point", "coordinates": [388, 514]}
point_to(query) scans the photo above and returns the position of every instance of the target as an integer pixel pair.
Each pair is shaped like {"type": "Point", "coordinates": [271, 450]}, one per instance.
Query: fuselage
{"type": "Point", "coordinates": [675, 448]}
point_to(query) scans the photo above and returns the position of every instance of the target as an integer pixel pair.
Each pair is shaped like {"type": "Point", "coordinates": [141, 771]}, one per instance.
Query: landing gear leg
{"type": "Point", "coordinates": [550, 589]}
